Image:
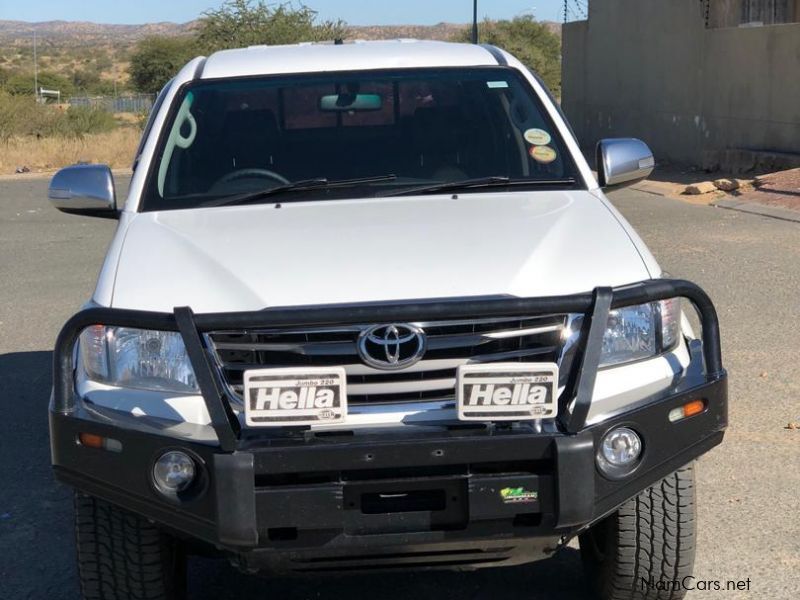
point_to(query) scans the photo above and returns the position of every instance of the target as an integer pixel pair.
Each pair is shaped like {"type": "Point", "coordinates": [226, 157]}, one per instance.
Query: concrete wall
{"type": "Point", "coordinates": [728, 13]}
{"type": "Point", "coordinates": [650, 69]}
{"type": "Point", "coordinates": [725, 13]}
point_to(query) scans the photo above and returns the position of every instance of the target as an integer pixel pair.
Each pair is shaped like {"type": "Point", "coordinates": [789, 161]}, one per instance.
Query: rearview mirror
{"type": "Point", "coordinates": [350, 102]}
{"type": "Point", "coordinates": [623, 161]}
{"type": "Point", "coordinates": [84, 190]}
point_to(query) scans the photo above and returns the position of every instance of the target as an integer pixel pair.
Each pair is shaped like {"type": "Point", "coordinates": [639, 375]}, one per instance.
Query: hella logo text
{"type": "Point", "coordinates": [491, 394]}
{"type": "Point", "coordinates": [276, 398]}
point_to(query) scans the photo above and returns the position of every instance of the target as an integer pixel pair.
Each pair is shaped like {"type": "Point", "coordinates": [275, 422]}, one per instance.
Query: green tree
{"type": "Point", "coordinates": [158, 59]}
{"type": "Point", "coordinates": [51, 81]}
{"type": "Point", "coordinates": [85, 80]}
{"type": "Point", "coordinates": [21, 83]}
{"type": "Point", "coordinates": [530, 41]}
{"type": "Point", "coordinates": [236, 24]}
{"type": "Point", "coordinates": [90, 81]}
{"type": "Point", "coordinates": [240, 23]}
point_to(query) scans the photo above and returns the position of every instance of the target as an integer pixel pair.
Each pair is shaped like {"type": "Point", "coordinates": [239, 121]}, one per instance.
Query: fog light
{"type": "Point", "coordinates": [173, 472]}
{"type": "Point", "coordinates": [621, 447]}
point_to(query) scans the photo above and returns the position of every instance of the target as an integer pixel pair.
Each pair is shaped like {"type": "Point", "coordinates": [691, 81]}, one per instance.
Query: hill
{"type": "Point", "coordinates": [64, 47]}
{"type": "Point", "coordinates": [71, 34]}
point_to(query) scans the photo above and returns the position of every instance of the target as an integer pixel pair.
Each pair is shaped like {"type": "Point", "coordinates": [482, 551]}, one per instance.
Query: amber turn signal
{"type": "Point", "coordinates": [91, 440]}
{"type": "Point", "coordinates": [695, 407]}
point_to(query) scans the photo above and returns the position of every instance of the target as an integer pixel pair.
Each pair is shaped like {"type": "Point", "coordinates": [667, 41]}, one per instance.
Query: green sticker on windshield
{"type": "Point", "coordinates": [497, 85]}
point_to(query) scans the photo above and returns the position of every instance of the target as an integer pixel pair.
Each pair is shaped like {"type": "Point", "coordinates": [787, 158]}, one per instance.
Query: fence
{"type": "Point", "coordinates": [575, 10]}
{"type": "Point", "coordinates": [130, 103]}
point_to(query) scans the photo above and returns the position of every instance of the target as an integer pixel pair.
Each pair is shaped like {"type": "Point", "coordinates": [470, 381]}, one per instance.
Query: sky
{"type": "Point", "coordinates": [355, 12]}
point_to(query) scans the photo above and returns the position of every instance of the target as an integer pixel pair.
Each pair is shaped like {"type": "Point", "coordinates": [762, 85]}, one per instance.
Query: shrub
{"type": "Point", "coordinates": [80, 120]}
{"type": "Point", "coordinates": [21, 116]}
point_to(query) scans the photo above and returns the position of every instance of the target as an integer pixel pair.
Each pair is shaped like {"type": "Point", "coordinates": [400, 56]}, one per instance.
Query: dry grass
{"type": "Point", "coordinates": [114, 148]}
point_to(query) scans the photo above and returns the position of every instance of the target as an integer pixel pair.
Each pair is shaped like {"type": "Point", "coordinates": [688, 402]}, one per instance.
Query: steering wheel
{"type": "Point", "coordinates": [251, 174]}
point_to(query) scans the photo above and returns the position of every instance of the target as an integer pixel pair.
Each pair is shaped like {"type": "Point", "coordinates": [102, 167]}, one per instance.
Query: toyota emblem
{"type": "Point", "coordinates": [391, 347]}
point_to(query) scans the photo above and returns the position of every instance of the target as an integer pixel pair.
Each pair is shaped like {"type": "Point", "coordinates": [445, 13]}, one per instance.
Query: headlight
{"type": "Point", "coordinates": [639, 332]}
{"type": "Point", "coordinates": [137, 358]}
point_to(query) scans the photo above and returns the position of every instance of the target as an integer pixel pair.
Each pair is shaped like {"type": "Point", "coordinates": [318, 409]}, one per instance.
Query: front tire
{"type": "Point", "coordinates": [122, 556]}
{"type": "Point", "coordinates": [645, 549]}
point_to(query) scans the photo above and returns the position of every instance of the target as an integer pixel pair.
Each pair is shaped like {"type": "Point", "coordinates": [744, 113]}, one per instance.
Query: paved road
{"type": "Point", "coordinates": [749, 487]}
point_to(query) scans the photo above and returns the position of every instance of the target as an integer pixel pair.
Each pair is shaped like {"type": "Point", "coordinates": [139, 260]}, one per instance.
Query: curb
{"type": "Point", "coordinates": [642, 188]}
{"type": "Point", "coordinates": [694, 200]}
{"type": "Point", "coordinates": [753, 208]}
{"type": "Point", "coordinates": [655, 190]}
{"type": "Point", "coordinates": [36, 175]}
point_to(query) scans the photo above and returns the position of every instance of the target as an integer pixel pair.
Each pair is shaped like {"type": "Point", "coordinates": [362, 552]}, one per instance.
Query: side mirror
{"type": "Point", "coordinates": [623, 161]}
{"type": "Point", "coordinates": [84, 190]}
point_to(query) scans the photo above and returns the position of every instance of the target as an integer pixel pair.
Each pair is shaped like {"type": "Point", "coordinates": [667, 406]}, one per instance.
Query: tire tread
{"type": "Point", "coordinates": [650, 537]}
{"type": "Point", "coordinates": [121, 556]}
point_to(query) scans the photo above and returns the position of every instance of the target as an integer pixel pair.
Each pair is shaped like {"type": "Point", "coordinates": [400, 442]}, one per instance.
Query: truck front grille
{"type": "Point", "coordinates": [432, 379]}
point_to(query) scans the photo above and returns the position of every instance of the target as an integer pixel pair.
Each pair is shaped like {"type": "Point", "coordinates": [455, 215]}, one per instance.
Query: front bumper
{"type": "Point", "coordinates": [299, 505]}
{"type": "Point", "coordinates": [421, 497]}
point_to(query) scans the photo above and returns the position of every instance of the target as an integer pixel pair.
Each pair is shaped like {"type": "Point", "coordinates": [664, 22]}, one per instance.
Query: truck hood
{"type": "Point", "coordinates": [252, 257]}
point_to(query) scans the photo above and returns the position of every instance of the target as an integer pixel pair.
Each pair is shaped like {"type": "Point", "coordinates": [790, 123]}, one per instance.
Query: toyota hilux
{"type": "Point", "coordinates": [367, 307]}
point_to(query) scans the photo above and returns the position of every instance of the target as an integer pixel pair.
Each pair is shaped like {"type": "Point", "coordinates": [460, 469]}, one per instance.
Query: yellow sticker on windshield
{"type": "Point", "coordinates": [537, 137]}
{"type": "Point", "coordinates": [543, 154]}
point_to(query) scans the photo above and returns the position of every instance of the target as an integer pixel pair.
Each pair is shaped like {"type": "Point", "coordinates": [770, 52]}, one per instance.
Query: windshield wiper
{"type": "Point", "coordinates": [482, 182]}
{"type": "Point", "coordinates": [297, 186]}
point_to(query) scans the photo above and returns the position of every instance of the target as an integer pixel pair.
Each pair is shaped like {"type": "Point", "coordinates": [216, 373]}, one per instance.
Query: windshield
{"type": "Point", "coordinates": [354, 135]}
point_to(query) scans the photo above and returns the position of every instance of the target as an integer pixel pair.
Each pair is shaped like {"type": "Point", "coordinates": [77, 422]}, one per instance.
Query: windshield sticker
{"type": "Point", "coordinates": [537, 137]}
{"type": "Point", "coordinates": [543, 154]}
{"type": "Point", "coordinates": [497, 85]}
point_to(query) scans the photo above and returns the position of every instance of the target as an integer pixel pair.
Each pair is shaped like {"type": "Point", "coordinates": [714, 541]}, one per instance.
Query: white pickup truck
{"type": "Point", "coordinates": [367, 307]}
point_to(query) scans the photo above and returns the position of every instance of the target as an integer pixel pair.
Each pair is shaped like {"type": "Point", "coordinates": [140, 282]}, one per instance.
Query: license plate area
{"type": "Point", "coordinates": [378, 503]}
{"type": "Point", "coordinates": [406, 506]}
{"type": "Point", "coordinates": [507, 391]}
{"type": "Point", "coordinates": [294, 397]}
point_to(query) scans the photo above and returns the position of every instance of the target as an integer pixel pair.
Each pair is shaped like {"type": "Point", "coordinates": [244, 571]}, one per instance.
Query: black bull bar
{"type": "Point", "coordinates": [594, 305]}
